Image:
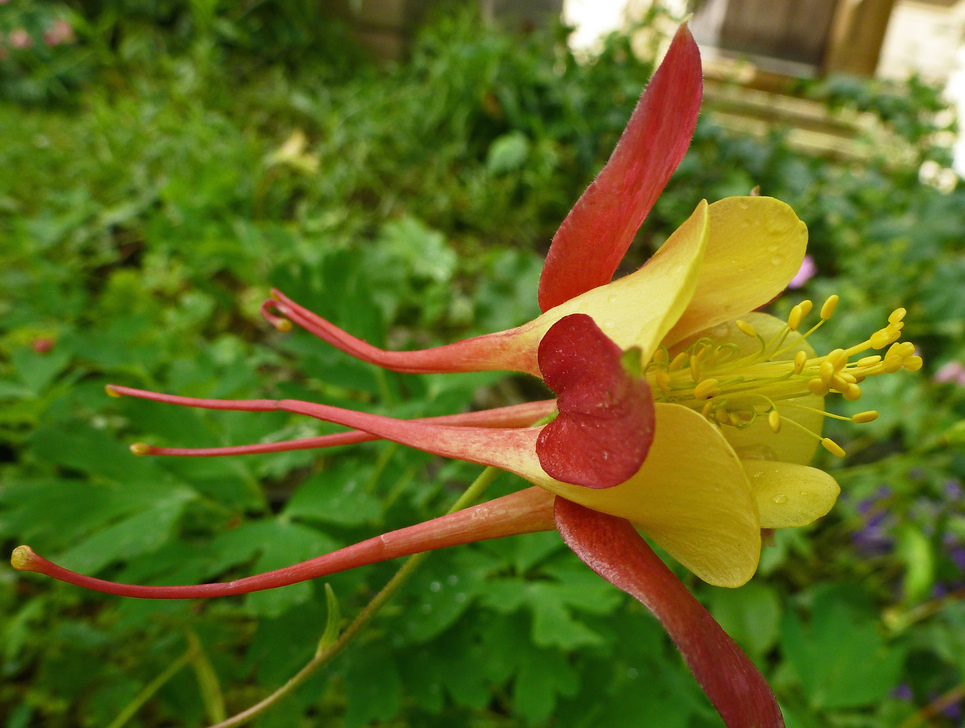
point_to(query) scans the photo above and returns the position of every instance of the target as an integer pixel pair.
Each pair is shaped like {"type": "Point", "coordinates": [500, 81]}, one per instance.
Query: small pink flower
{"type": "Point", "coordinates": [42, 344]}
{"type": "Point", "coordinates": [60, 33]}
{"type": "Point", "coordinates": [951, 373]}
{"type": "Point", "coordinates": [804, 274]}
{"type": "Point", "coordinates": [20, 38]}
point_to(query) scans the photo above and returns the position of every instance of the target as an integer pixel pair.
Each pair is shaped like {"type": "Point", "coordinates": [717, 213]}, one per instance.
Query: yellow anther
{"type": "Point", "coordinates": [140, 448]}
{"type": "Point", "coordinates": [282, 325]}
{"type": "Point", "coordinates": [826, 371]}
{"type": "Point", "coordinates": [869, 360]}
{"type": "Point", "coordinates": [695, 368]}
{"type": "Point", "coordinates": [906, 349]}
{"type": "Point", "coordinates": [806, 306]}
{"type": "Point", "coordinates": [839, 383]}
{"type": "Point", "coordinates": [795, 317]}
{"type": "Point", "coordinates": [865, 417]}
{"type": "Point", "coordinates": [679, 361]}
{"type": "Point", "coordinates": [707, 389]}
{"type": "Point", "coordinates": [662, 380]}
{"type": "Point", "coordinates": [892, 364]}
{"type": "Point", "coordinates": [774, 421]}
{"type": "Point", "coordinates": [832, 447]}
{"type": "Point", "coordinates": [852, 393]}
{"type": "Point", "coordinates": [800, 359]}
{"type": "Point", "coordinates": [827, 310]}
{"type": "Point", "coordinates": [897, 315]}
{"type": "Point", "coordinates": [746, 328]}
{"type": "Point", "coordinates": [111, 392]}
{"type": "Point", "coordinates": [913, 363]}
{"type": "Point", "coordinates": [848, 377]}
{"type": "Point", "coordinates": [816, 386]}
{"type": "Point", "coordinates": [883, 337]}
{"type": "Point", "coordinates": [838, 359]}
{"type": "Point", "coordinates": [707, 408]}
{"type": "Point", "coordinates": [661, 355]}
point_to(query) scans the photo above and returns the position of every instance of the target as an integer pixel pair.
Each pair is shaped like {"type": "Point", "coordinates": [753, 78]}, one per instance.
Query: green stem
{"type": "Point", "coordinates": [151, 688]}
{"type": "Point", "coordinates": [472, 494]}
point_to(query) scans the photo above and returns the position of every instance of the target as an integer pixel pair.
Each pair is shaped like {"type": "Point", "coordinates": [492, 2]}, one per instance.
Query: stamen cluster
{"type": "Point", "coordinates": [732, 388]}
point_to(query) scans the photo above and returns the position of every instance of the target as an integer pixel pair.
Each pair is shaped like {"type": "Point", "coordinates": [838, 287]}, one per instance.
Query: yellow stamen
{"type": "Point", "coordinates": [774, 421]}
{"type": "Point", "coordinates": [662, 380]}
{"type": "Point", "coordinates": [706, 389]}
{"type": "Point", "coordinates": [827, 310]}
{"type": "Point", "coordinates": [746, 328]}
{"type": "Point", "coordinates": [897, 315]}
{"type": "Point", "coordinates": [832, 447]}
{"type": "Point", "coordinates": [806, 306]}
{"type": "Point", "coordinates": [733, 385]}
{"type": "Point", "coordinates": [679, 361]}
{"type": "Point", "coordinates": [795, 318]}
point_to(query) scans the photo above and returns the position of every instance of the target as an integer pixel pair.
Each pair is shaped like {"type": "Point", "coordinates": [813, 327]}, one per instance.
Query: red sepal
{"type": "Point", "coordinates": [606, 417]}
{"type": "Point", "coordinates": [612, 547]}
{"type": "Point", "coordinates": [593, 238]}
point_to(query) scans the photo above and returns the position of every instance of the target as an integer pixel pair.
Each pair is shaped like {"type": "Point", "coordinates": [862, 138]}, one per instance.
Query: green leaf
{"type": "Point", "coordinates": [142, 532]}
{"type": "Point", "coordinates": [372, 685]}
{"type": "Point", "coordinates": [336, 495]}
{"type": "Point", "coordinates": [279, 543]}
{"type": "Point", "coordinates": [507, 153]}
{"type": "Point", "coordinates": [840, 658]}
{"type": "Point", "coordinates": [750, 614]}
{"type": "Point", "coordinates": [542, 676]}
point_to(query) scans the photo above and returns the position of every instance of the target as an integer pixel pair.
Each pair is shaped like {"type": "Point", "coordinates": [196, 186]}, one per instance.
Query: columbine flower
{"type": "Point", "coordinates": [680, 411]}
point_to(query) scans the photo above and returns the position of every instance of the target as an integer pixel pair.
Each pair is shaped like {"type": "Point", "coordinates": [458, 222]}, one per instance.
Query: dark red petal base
{"type": "Point", "coordinates": [613, 549]}
{"type": "Point", "coordinates": [606, 416]}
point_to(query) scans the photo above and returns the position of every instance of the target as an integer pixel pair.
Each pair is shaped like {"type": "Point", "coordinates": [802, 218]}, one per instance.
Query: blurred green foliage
{"type": "Point", "coordinates": [177, 158]}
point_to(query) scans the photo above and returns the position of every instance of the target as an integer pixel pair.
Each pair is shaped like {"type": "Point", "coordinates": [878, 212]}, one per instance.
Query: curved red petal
{"type": "Point", "coordinates": [526, 511]}
{"type": "Point", "coordinates": [613, 549]}
{"type": "Point", "coordinates": [510, 350]}
{"type": "Point", "coordinates": [606, 415]}
{"type": "Point", "coordinates": [590, 243]}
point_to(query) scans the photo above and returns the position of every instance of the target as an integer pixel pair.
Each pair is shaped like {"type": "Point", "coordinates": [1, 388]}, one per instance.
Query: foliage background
{"type": "Point", "coordinates": [149, 200]}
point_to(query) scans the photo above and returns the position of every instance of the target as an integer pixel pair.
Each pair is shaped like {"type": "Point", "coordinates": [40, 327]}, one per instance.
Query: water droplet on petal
{"type": "Point", "coordinates": [780, 499]}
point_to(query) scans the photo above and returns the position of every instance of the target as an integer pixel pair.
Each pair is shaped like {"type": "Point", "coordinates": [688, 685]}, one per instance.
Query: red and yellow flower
{"type": "Point", "coordinates": [681, 413]}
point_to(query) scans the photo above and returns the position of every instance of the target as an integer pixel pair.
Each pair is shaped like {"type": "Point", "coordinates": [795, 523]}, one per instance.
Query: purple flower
{"type": "Point", "coordinates": [951, 373]}
{"type": "Point", "coordinates": [805, 273]}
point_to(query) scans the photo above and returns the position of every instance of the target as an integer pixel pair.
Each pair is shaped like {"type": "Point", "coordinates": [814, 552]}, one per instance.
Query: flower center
{"type": "Point", "coordinates": [732, 387]}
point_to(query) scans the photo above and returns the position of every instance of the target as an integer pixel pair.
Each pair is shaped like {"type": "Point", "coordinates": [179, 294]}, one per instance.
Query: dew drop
{"type": "Point", "coordinates": [632, 673]}
{"type": "Point", "coordinates": [609, 324]}
{"type": "Point", "coordinates": [612, 298]}
{"type": "Point", "coordinates": [452, 580]}
{"type": "Point", "coordinates": [426, 608]}
{"type": "Point", "coordinates": [780, 499]}
{"type": "Point", "coordinates": [776, 260]}
{"type": "Point", "coordinates": [435, 586]}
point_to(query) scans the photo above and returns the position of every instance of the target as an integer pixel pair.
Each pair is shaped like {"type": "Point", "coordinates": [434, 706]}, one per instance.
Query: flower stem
{"type": "Point", "coordinates": [151, 688]}
{"type": "Point", "coordinates": [472, 494]}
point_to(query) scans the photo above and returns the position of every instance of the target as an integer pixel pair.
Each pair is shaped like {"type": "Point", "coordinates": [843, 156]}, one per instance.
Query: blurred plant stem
{"type": "Point", "coordinates": [322, 658]}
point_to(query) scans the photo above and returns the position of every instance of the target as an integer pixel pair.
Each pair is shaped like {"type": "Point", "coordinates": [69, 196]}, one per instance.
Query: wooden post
{"type": "Point", "coordinates": [856, 36]}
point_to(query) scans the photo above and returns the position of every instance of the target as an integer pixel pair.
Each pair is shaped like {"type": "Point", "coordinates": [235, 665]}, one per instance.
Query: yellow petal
{"type": "Point", "coordinates": [790, 495]}
{"type": "Point", "coordinates": [691, 496]}
{"type": "Point", "coordinates": [792, 444]}
{"type": "Point", "coordinates": [756, 246]}
{"type": "Point", "coordinates": [639, 309]}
